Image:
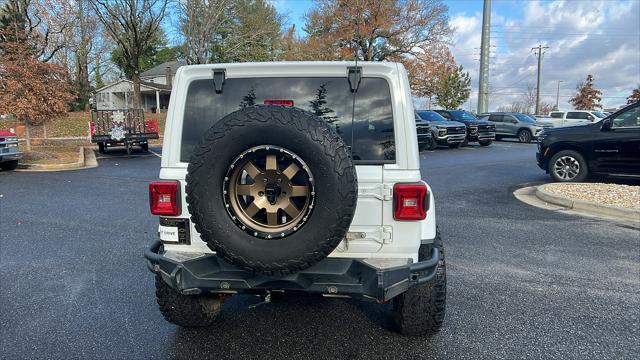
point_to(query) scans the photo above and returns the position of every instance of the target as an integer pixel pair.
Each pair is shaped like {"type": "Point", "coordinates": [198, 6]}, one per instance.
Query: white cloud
{"type": "Point", "coordinates": [601, 38]}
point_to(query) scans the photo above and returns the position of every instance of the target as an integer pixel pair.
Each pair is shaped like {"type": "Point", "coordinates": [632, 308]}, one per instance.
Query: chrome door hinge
{"type": "Point", "coordinates": [381, 235]}
{"type": "Point", "coordinates": [385, 235]}
{"type": "Point", "coordinates": [381, 192]}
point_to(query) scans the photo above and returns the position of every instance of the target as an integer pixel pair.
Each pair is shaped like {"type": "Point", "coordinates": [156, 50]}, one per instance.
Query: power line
{"type": "Point", "coordinates": [563, 33]}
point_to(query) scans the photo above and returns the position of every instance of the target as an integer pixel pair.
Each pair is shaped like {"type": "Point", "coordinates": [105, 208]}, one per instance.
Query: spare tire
{"type": "Point", "coordinates": [272, 189]}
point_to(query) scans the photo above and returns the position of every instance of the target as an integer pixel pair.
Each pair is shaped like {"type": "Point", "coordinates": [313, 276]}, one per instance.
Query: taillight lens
{"type": "Point", "coordinates": [164, 197]}
{"type": "Point", "coordinates": [410, 201]}
{"type": "Point", "coordinates": [279, 102]}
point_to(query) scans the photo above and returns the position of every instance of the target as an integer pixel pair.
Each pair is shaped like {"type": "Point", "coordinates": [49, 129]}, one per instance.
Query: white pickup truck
{"type": "Point", "coordinates": [295, 177]}
{"type": "Point", "coordinates": [573, 118]}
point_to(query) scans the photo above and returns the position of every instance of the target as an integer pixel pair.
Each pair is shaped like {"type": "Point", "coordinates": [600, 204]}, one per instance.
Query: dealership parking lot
{"type": "Point", "coordinates": [523, 282]}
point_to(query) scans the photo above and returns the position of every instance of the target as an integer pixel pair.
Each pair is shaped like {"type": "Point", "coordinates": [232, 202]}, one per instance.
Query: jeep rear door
{"type": "Point", "coordinates": [370, 124]}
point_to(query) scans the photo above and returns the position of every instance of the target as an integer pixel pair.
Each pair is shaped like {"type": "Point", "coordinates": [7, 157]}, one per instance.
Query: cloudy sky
{"type": "Point", "coordinates": [600, 37]}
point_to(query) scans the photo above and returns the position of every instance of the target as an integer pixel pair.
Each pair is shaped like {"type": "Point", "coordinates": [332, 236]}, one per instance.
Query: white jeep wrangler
{"type": "Point", "coordinates": [295, 176]}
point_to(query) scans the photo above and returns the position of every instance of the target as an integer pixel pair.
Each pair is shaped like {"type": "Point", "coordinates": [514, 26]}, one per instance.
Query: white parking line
{"type": "Point", "coordinates": [155, 153]}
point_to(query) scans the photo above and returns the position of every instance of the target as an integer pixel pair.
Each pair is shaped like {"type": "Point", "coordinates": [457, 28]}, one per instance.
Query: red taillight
{"type": "Point", "coordinates": [164, 198]}
{"type": "Point", "coordinates": [91, 130]}
{"type": "Point", "coordinates": [410, 201]}
{"type": "Point", "coordinates": [279, 102]}
{"type": "Point", "coordinates": [152, 125]}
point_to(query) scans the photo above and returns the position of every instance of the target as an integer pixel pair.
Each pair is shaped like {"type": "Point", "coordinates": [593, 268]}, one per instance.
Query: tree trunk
{"type": "Point", "coordinates": [136, 90]}
{"type": "Point", "coordinates": [27, 134]}
{"type": "Point", "coordinates": [82, 86]}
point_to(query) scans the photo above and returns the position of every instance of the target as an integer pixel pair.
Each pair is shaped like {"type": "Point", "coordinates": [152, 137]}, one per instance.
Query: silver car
{"type": "Point", "coordinates": [515, 125]}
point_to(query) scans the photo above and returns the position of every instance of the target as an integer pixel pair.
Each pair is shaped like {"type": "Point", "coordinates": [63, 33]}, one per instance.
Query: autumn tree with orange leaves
{"type": "Point", "coordinates": [634, 97]}
{"type": "Point", "coordinates": [427, 71]}
{"type": "Point", "coordinates": [413, 32]}
{"type": "Point", "coordinates": [378, 30]}
{"type": "Point", "coordinates": [31, 90]}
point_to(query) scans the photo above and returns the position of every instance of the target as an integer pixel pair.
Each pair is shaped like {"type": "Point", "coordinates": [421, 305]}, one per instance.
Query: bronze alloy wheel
{"type": "Point", "coordinates": [268, 191]}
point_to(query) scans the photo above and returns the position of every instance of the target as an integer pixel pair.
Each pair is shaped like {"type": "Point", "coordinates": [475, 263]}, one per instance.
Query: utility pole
{"type": "Point", "coordinates": [539, 53]}
{"type": "Point", "coordinates": [483, 86]}
{"type": "Point", "coordinates": [558, 95]}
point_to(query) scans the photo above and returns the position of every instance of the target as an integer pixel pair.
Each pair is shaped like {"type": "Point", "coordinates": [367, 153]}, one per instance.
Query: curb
{"type": "Point", "coordinates": [86, 159]}
{"type": "Point", "coordinates": [586, 206]}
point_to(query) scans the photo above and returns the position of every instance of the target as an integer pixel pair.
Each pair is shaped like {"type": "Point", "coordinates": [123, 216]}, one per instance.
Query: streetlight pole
{"type": "Point", "coordinates": [558, 95]}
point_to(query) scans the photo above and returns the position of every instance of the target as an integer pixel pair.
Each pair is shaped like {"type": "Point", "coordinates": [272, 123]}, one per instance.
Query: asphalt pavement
{"type": "Point", "coordinates": [523, 282]}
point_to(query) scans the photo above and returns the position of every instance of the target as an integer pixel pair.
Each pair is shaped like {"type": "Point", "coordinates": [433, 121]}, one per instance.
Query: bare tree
{"type": "Point", "coordinates": [515, 106]}
{"type": "Point", "coordinates": [529, 99]}
{"type": "Point", "coordinates": [133, 25]}
{"type": "Point", "coordinates": [201, 23]}
{"type": "Point", "coordinates": [546, 107]}
{"type": "Point", "coordinates": [41, 23]}
{"type": "Point", "coordinates": [230, 30]}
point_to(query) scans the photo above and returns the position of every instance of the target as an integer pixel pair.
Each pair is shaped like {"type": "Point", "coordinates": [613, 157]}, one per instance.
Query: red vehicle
{"type": "Point", "coordinates": [9, 151]}
{"type": "Point", "coordinates": [122, 128]}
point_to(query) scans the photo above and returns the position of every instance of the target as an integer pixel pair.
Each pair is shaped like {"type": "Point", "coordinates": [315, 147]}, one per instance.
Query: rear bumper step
{"type": "Point", "coordinates": [332, 276]}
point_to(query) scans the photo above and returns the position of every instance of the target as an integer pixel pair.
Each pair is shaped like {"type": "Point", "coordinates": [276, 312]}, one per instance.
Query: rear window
{"type": "Point", "coordinates": [577, 115]}
{"type": "Point", "coordinates": [557, 115]}
{"type": "Point", "coordinates": [329, 98]}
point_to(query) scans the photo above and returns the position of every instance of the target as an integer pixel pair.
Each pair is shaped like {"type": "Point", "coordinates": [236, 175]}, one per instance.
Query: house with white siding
{"type": "Point", "coordinates": [155, 90]}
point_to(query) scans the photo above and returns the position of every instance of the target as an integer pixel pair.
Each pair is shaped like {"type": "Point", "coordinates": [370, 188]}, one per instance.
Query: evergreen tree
{"type": "Point", "coordinates": [319, 105]}
{"type": "Point", "coordinates": [454, 89]}
{"type": "Point", "coordinates": [249, 99]}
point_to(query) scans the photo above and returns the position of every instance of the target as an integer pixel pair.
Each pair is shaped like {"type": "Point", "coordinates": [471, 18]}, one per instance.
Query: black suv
{"type": "Point", "coordinates": [484, 132]}
{"type": "Point", "coordinates": [609, 147]}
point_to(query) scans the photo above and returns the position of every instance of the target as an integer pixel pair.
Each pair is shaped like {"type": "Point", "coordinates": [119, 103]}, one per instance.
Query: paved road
{"type": "Point", "coordinates": [522, 282]}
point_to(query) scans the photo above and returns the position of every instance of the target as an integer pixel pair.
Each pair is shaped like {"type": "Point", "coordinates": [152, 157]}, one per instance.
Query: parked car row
{"type": "Point", "coordinates": [452, 128]}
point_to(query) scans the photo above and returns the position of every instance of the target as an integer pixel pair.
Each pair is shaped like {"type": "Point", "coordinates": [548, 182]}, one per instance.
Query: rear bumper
{"type": "Point", "coordinates": [332, 276]}
{"type": "Point", "coordinates": [139, 137]}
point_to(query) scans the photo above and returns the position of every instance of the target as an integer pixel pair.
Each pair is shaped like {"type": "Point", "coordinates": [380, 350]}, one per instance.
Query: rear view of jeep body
{"type": "Point", "coordinates": [295, 177]}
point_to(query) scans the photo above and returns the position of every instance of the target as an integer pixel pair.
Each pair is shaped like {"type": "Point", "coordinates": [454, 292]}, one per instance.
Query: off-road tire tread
{"type": "Point", "coordinates": [184, 310]}
{"type": "Point", "coordinates": [319, 131]}
{"type": "Point", "coordinates": [421, 310]}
